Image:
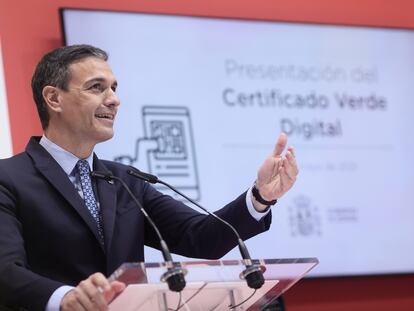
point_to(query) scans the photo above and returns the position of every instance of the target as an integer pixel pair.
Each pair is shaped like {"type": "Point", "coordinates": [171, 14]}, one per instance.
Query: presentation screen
{"type": "Point", "coordinates": [204, 99]}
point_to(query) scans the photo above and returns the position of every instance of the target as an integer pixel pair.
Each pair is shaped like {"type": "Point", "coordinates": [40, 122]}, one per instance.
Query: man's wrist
{"type": "Point", "coordinates": [257, 196]}
{"type": "Point", "coordinates": [56, 298]}
{"type": "Point", "coordinates": [256, 210]}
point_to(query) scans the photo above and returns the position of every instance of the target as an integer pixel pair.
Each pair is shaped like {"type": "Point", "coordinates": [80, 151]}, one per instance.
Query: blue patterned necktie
{"type": "Point", "coordinates": [88, 194]}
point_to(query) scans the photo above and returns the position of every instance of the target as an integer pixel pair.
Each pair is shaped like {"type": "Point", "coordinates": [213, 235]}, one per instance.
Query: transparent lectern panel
{"type": "Point", "coordinates": [211, 285]}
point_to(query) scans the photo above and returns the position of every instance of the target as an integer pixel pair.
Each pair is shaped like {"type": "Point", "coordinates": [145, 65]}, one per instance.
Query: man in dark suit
{"type": "Point", "coordinates": [61, 233]}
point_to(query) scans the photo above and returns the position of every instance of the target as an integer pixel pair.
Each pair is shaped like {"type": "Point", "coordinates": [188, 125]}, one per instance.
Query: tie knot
{"type": "Point", "coordinates": [83, 167]}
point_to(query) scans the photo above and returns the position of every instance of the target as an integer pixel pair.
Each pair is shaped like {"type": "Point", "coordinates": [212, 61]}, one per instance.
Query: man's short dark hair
{"type": "Point", "coordinates": [53, 70]}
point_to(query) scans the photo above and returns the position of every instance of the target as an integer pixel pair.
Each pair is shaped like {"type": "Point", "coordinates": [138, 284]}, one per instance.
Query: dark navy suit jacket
{"type": "Point", "coordinates": [48, 237]}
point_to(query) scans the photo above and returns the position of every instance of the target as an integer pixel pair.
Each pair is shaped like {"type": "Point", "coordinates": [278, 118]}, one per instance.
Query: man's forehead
{"type": "Point", "coordinates": [89, 68]}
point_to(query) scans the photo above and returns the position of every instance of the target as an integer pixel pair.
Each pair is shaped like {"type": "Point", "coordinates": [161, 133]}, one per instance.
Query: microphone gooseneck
{"type": "Point", "coordinates": [175, 274]}
{"type": "Point", "coordinates": [253, 273]}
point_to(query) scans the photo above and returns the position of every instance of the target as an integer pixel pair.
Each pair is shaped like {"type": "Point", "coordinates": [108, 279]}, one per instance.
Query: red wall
{"type": "Point", "coordinates": [30, 28]}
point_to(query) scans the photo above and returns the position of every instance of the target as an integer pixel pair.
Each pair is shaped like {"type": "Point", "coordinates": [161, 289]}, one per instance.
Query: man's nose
{"type": "Point", "coordinates": [111, 98]}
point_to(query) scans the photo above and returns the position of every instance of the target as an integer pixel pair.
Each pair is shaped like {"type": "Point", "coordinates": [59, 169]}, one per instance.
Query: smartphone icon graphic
{"type": "Point", "coordinates": [174, 158]}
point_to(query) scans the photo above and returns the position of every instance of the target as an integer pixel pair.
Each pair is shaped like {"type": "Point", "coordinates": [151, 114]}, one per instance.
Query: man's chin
{"type": "Point", "coordinates": [105, 136]}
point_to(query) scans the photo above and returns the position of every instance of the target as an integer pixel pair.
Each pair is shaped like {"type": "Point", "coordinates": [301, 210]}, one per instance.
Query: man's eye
{"type": "Point", "coordinates": [113, 88]}
{"type": "Point", "coordinates": [96, 86]}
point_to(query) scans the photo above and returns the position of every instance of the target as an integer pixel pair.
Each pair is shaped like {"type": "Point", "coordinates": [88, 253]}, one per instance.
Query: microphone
{"type": "Point", "coordinates": [175, 274]}
{"type": "Point", "coordinates": [253, 272]}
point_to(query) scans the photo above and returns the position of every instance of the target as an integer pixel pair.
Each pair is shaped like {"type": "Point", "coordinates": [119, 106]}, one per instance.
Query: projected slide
{"type": "Point", "coordinates": [343, 96]}
{"type": "Point", "coordinates": [5, 139]}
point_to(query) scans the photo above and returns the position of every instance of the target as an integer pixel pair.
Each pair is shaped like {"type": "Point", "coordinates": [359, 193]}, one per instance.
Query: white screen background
{"type": "Point", "coordinates": [243, 82]}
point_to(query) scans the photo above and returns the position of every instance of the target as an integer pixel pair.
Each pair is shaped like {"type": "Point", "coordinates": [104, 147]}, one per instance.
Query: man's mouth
{"type": "Point", "coordinates": [108, 116]}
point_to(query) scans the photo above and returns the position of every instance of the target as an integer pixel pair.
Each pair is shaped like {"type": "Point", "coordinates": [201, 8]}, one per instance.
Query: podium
{"type": "Point", "coordinates": [211, 285]}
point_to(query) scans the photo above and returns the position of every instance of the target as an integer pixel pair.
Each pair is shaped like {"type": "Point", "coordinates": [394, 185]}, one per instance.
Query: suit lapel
{"type": "Point", "coordinates": [52, 171]}
{"type": "Point", "coordinates": [107, 201]}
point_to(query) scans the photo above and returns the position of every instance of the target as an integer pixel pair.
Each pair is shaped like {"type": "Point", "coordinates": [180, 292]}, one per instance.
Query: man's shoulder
{"type": "Point", "coordinates": [31, 162]}
{"type": "Point", "coordinates": [21, 159]}
{"type": "Point", "coordinates": [11, 169]}
{"type": "Point", "coordinates": [17, 159]}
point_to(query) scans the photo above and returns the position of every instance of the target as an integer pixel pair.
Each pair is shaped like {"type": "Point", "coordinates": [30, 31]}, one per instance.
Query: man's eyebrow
{"type": "Point", "coordinates": [100, 79]}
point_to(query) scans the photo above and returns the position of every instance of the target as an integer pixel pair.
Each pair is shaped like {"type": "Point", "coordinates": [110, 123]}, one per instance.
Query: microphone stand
{"type": "Point", "coordinates": [253, 272]}
{"type": "Point", "coordinates": [175, 274]}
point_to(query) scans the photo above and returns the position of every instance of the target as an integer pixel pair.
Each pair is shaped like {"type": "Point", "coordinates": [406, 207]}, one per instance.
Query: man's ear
{"type": "Point", "coordinates": [51, 95]}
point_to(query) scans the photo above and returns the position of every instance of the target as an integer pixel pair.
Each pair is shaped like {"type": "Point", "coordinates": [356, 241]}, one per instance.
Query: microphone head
{"type": "Point", "coordinates": [141, 175]}
{"type": "Point", "coordinates": [102, 175]}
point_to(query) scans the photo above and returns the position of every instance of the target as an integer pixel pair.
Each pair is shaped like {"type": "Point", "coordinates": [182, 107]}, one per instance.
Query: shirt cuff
{"type": "Point", "coordinates": [54, 301]}
{"type": "Point", "coordinates": [249, 202]}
